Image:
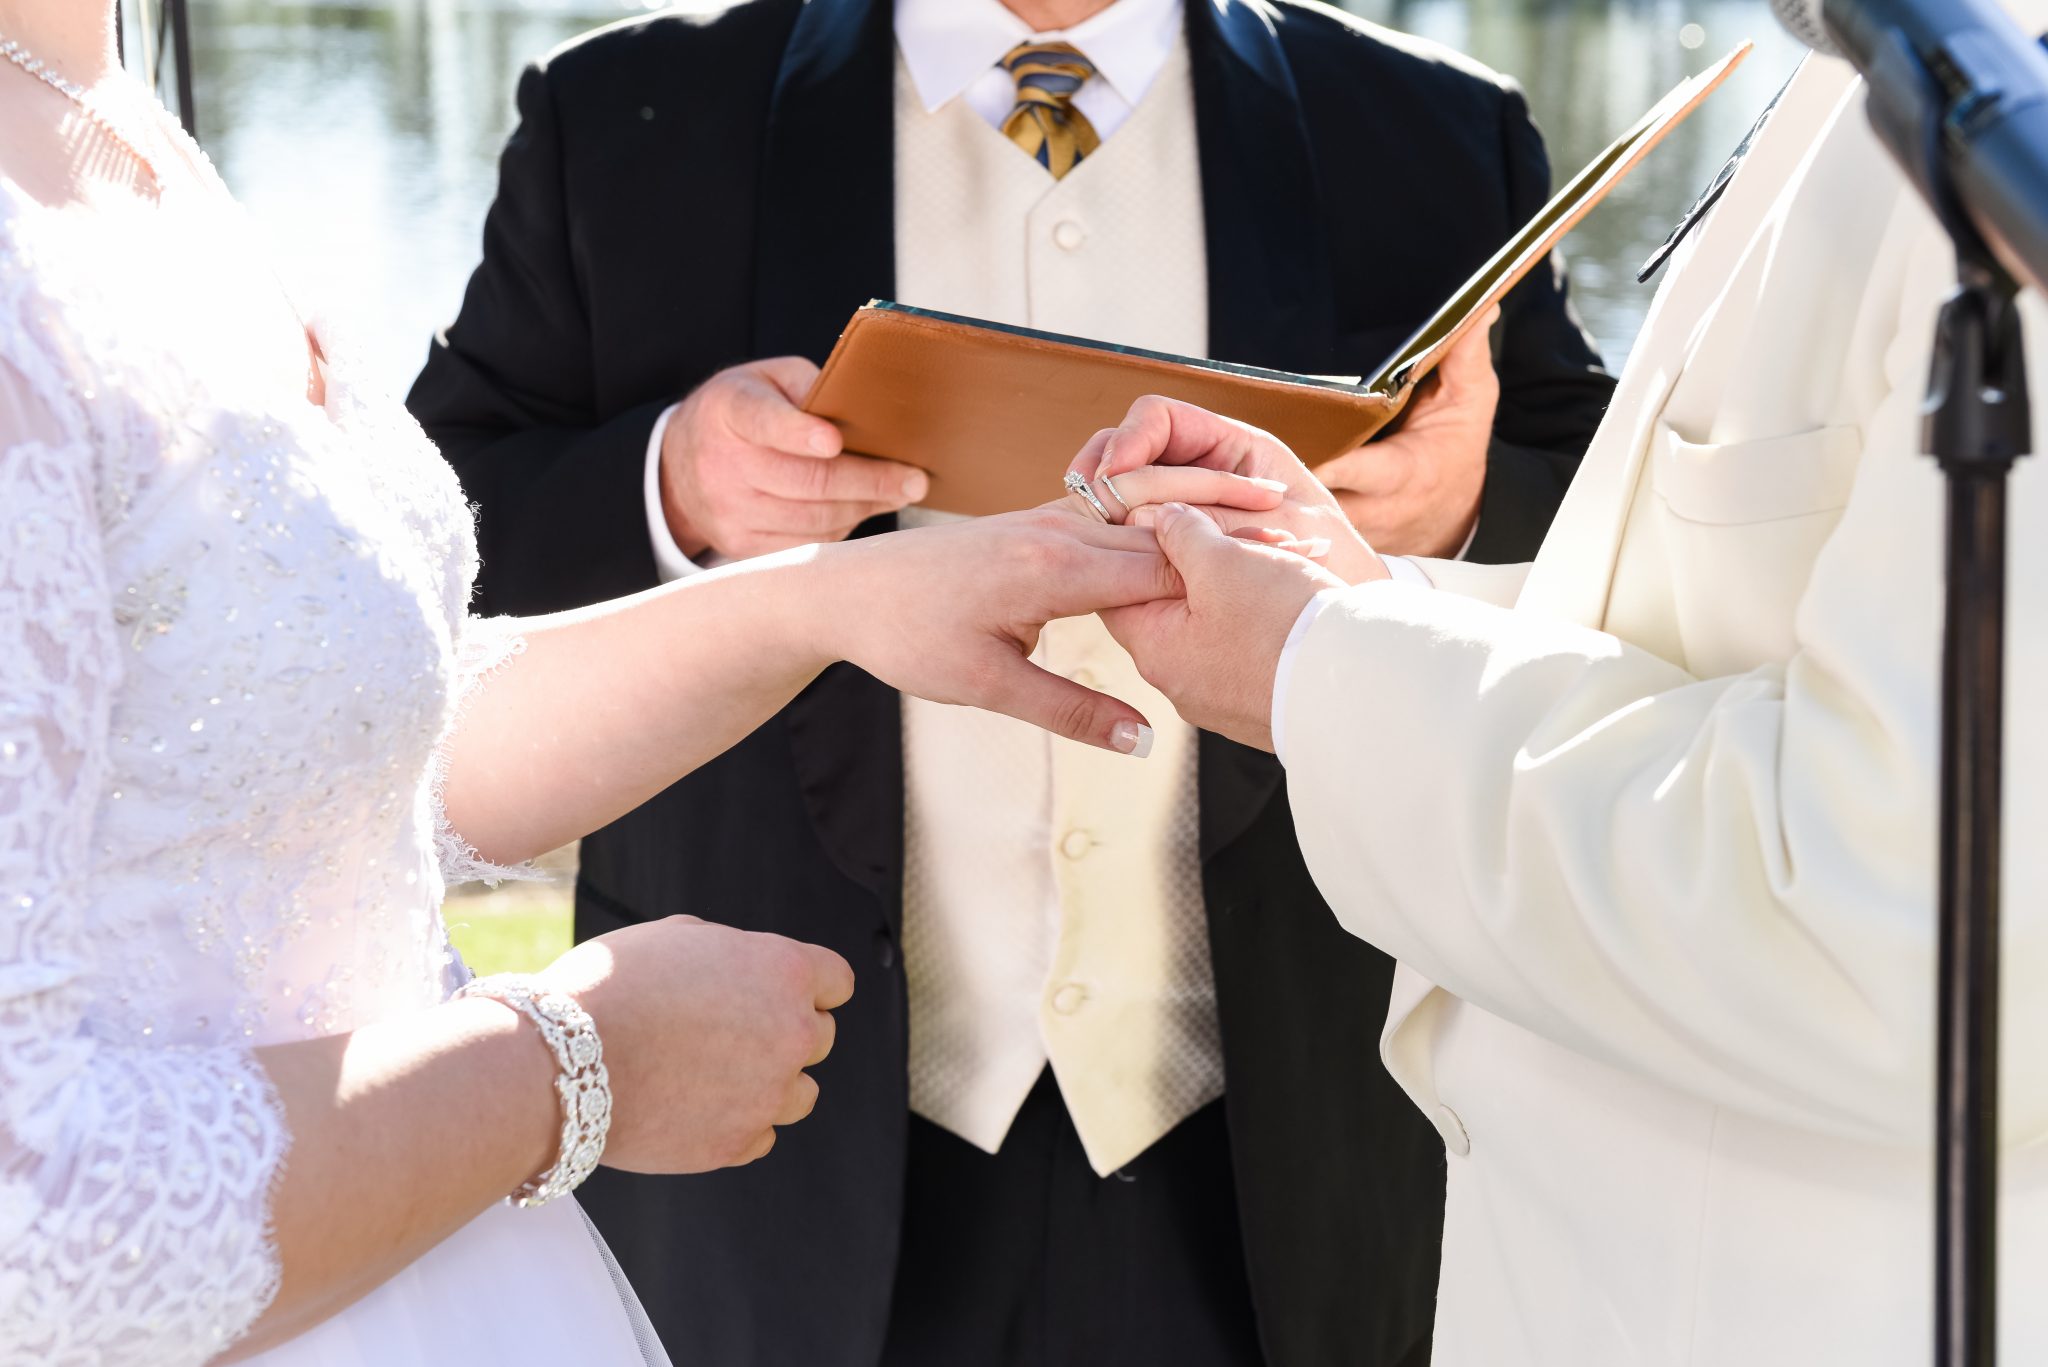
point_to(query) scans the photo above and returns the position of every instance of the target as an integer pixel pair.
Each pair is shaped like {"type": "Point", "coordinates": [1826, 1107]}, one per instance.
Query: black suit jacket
{"type": "Point", "coordinates": [687, 192]}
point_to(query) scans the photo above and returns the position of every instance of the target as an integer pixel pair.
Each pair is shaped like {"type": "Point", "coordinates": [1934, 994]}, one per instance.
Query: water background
{"type": "Point", "coordinates": [364, 136]}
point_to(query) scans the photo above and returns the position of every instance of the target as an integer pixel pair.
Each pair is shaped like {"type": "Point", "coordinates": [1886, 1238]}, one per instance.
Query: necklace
{"type": "Point", "coordinates": [70, 90]}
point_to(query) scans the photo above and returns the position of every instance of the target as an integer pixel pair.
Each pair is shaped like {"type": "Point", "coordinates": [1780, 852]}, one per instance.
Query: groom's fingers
{"type": "Point", "coordinates": [1089, 459]}
{"type": "Point", "coordinates": [1022, 690]}
{"type": "Point", "coordinates": [1191, 542]}
{"type": "Point", "coordinates": [1162, 431]}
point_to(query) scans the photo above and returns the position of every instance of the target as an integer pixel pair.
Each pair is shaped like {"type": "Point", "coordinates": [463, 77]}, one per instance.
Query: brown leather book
{"type": "Point", "coordinates": [994, 413]}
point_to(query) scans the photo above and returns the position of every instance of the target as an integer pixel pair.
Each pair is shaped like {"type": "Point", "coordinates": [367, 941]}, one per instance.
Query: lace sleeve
{"type": "Point", "coordinates": [134, 1181]}
{"type": "Point", "coordinates": [483, 646]}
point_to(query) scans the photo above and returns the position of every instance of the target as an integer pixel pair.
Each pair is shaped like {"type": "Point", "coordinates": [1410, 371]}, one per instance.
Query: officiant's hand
{"type": "Point", "coordinates": [1214, 651]}
{"type": "Point", "coordinates": [745, 471]}
{"type": "Point", "coordinates": [1417, 492]}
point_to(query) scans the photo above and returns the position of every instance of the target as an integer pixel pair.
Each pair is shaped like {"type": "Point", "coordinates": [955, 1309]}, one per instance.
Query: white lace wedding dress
{"type": "Point", "coordinates": [233, 632]}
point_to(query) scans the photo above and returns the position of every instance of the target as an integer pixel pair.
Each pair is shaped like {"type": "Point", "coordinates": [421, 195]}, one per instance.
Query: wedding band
{"type": "Point", "coordinates": [1076, 484]}
{"type": "Point", "coordinates": [1110, 485]}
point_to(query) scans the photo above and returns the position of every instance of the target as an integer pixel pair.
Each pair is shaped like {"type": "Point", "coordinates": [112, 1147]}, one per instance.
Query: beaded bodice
{"type": "Point", "coordinates": [233, 633]}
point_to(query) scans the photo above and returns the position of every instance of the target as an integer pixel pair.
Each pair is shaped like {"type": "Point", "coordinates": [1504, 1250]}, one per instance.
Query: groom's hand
{"type": "Point", "coordinates": [1214, 651]}
{"type": "Point", "coordinates": [952, 613]}
{"type": "Point", "coordinates": [745, 471]}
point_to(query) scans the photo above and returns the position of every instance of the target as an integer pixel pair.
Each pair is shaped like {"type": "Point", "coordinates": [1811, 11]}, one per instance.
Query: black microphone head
{"type": "Point", "coordinates": [1802, 19]}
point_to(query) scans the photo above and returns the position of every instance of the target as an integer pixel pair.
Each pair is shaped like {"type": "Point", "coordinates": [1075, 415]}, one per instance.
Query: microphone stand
{"type": "Point", "coordinates": [1976, 425]}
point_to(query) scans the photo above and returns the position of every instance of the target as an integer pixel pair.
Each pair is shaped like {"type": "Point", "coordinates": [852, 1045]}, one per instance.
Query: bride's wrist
{"type": "Point", "coordinates": [580, 1082]}
{"type": "Point", "coordinates": [526, 1112]}
{"type": "Point", "coordinates": [829, 603]}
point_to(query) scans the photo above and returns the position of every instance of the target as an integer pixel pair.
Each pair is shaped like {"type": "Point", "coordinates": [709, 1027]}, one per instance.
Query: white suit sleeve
{"type": "Point", "coordinates": [134, 1178]}
{"type": "Point", "coordinates": [1722, 883]}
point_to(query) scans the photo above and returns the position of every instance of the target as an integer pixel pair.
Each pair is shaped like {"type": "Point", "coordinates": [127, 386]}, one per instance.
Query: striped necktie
{"type": "Point", "coordinates": [1044, 121]}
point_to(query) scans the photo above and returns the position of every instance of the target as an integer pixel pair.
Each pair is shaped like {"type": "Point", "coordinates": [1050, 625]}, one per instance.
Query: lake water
{"type": "Point", "coordinates": [365, 136]}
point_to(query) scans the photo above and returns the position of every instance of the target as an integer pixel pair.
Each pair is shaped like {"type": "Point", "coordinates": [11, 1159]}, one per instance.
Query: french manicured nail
{"type": "Point", "coordinates": [822, 443]}
{"type": "Point", "coordinates": [1132, 738]}
{"type": "Point", "coordinates": [1278, 486]}
{"type": "Point", "coordinates": [1315, 548]}
{"type": "Point", "coordinates": [916, 485]}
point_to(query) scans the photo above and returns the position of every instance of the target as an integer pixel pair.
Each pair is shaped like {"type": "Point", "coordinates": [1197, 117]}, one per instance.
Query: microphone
{"type": "Point", "coordinates": [1959, 96]}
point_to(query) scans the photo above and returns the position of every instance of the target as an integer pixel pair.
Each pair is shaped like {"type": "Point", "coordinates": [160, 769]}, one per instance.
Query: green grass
{"type": "Point", "coordinates": [500, 933]}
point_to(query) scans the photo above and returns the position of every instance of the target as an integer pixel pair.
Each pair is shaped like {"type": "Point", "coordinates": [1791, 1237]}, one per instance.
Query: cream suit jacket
{"type": "Point", "coordinates": [1656, 846]}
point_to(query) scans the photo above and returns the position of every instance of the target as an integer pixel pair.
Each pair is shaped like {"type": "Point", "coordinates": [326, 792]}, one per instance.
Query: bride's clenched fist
{"type": "Point", "coordinates": [707, 1031]}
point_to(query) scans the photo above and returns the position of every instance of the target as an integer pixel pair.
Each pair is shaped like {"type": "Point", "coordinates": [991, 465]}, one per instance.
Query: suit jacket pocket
{"type": "Point", "coordinates": [1742, 523]}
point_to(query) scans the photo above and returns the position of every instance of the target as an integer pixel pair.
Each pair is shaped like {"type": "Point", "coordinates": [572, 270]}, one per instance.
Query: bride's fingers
{"type": "Point", "coordinates": [1116, 497]}
{"type": "Point", "coordinates": [801, 1099]}
{"type": "Point", "coordinates": [755, 1151]}
{"type": "Point", "coordinates": [1193, 485]}
{"type": "Point", "coordinates": [1022, 690]}
{"type": "Point", "coordinates": [828, 1032]}
{"type": "Point", "coordinates": [1090, 455]}
{"type": "Point", "coordinates": [1083, 526]}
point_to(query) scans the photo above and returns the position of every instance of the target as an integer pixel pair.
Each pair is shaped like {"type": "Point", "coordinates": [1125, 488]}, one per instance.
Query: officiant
{"type": "Point", "coordinates": [1097, 1098]}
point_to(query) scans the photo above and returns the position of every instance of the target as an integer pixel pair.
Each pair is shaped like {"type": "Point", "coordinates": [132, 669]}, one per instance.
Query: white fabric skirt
{"type": "Point", "coordinates": [510, 1286]}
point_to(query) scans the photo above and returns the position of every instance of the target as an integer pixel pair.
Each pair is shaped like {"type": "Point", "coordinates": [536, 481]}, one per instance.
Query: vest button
{"type": "Point", "coordinates": [885, 949]}
{"type": "Point", "coordinates": [1070, 998]}
{"type": "Point", "coordinates": [1069, 234]}
{"type": "Point", "coordinates": [1075, 844]}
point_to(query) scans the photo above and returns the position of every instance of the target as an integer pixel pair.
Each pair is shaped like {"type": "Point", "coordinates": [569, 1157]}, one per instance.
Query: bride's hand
{"type": "Point", "coordinates": [707, 1031]}
{"type": "Point", "coordinates": [952, 613]}
{"type": "Point", "coordinates": [1161, 433]}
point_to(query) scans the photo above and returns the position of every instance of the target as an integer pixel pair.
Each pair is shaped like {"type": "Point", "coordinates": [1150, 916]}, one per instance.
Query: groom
{"type": "Point", "coordinates": [1098, 1096]}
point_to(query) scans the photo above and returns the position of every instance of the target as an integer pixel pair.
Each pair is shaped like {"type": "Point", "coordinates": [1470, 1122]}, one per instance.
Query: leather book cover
{"type": "Point", "coordinates": [995, 412]}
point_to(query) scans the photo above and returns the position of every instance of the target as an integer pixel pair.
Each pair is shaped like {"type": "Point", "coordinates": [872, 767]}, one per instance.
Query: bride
{"type": "Point", "coordinates": [247, 735]}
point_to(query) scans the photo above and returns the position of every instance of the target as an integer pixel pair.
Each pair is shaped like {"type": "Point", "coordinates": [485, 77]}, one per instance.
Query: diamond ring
{"type": "Point", "coordinates": [1076, 484]}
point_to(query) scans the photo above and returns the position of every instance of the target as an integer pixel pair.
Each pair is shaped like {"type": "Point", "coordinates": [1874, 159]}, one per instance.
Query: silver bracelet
{"type": "Point", "coordinates": [580, 1080]}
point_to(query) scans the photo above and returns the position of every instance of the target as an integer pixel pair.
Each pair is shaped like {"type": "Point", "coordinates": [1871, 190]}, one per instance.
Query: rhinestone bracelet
{"type": "Point", "coordinates": [581, 1080]}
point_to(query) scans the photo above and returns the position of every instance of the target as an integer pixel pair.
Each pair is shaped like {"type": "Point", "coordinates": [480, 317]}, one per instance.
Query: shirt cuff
{"type": "Point", "coordinates": [1406, 569]}
{"type": "Point", "coordinates": [669, 561]}
{"type": "Point", "coordinates": [1285, 670]}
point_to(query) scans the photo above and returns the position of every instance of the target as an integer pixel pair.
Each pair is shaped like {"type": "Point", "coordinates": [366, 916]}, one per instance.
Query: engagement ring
{"type": "Point", "coordinates": [1078, 485]}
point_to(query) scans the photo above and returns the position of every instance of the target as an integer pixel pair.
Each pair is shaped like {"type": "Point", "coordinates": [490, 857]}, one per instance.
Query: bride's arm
{"type": "Point", "coordinates": [149, 1211]}
{"type": "Point", "coordinates": [607, 706]}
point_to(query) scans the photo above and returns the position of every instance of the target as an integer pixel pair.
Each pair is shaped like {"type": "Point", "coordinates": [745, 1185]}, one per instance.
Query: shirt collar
{"type": "Point", "coordinates": [950, 44]}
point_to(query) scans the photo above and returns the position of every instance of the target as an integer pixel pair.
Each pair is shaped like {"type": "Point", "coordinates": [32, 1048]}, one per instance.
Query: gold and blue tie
{"type": "Point", "coordinates": [1044, 121]}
